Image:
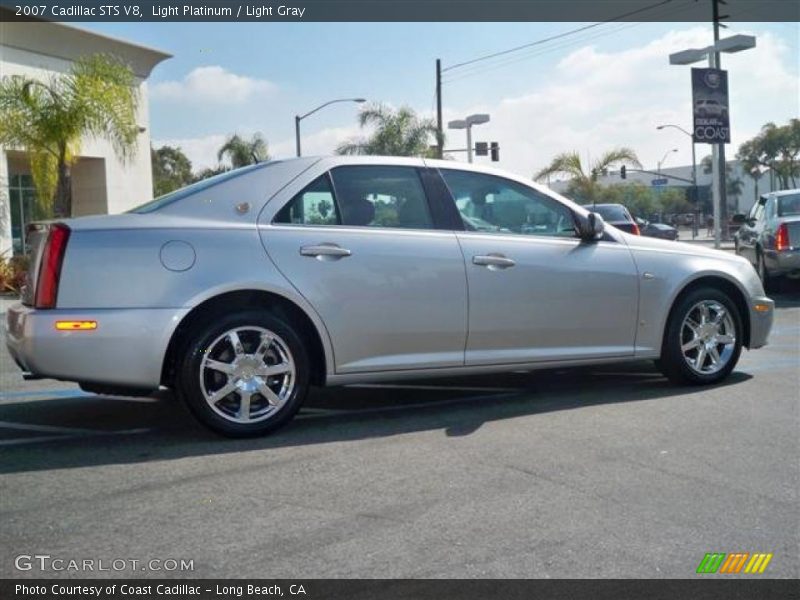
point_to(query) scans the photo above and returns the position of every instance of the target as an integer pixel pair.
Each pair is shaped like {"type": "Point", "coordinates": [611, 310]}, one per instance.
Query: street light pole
{"type": "Point", "coordinates": [664, 158]}
{"type": "Point", "coordinates": [735, 43]}
{"type": "Point", "coordinates": [719, 159]}
{"type": "Point", "coordinates": [477, 119]}
{"type": "Point", "coordinates": [297, 133]}
{"type": "Point", "coordinates": [299, 118]}
{"type": "Point", "coordinates": [695, 194]}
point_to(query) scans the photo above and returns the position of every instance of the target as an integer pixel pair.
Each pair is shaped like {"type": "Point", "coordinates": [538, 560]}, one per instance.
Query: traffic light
{"type": "Point", "coordinates": [495, 149]}
{"type": "Point", "coordinates": [623, 172]}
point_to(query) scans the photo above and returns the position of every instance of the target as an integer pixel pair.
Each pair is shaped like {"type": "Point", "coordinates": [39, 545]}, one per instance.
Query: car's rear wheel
{"type": "Point", "coordinates": [703, 339]}
{"type": "Point", "coordinates": [244, 374]}
{"type": "Point", "coordinates": [769, 282]}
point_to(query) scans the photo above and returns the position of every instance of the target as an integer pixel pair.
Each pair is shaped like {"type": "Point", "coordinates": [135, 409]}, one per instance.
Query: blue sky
{"type": "Point", "coordinates": [604, 87]}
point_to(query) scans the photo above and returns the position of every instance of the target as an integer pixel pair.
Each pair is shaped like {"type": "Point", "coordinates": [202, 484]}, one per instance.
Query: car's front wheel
{"type": "Point", "coordinates": [703, 339]}
{"type": "Point", "coordinates": [244, 374]}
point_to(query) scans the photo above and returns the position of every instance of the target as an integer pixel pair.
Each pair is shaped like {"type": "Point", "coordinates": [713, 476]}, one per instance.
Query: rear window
{"type": "Point", "coordinates": [789, 205]}
{"type": "Point", "coordinates": [184, 192]}
{"type": "Point", "coordinates": [611, 212]}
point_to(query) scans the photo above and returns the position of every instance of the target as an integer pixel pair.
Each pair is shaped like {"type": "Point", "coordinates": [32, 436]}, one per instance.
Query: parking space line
{"type": "Point", "coordinates": [58, 393]}
{"type": "Point", "coordinates": [35, 440]}
{"type": "Point", "coordinates": [435, 387]}
{"type": "Point", "coordinates": [67, 430]}
{"type": "Point", "coordinates": [410, 406]}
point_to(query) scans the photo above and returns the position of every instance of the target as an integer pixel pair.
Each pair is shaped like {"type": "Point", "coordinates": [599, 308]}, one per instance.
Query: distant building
{"type": "Point", "coordinates": [750, 189]}
{"type": "Point", "coordinates": [101, 183]}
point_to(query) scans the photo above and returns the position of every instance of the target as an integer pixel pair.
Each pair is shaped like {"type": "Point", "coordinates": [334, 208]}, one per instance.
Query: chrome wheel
{"type": "Point", "coordinates": [247, 374]}
{"type": "Point", "coordinates": [708, 337]}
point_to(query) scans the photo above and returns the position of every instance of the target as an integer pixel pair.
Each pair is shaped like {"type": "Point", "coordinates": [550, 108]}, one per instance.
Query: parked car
{"type": "Point", "coordinates": [710, 108]}
{"type": "Point", "coordinates": [616, 215]}
{"type": "Point", "coordinates": [769, 236]}
{"type": "Point", "coordinates": [660, 230]}
{"type": "Point", "coordinates": [241, 291]}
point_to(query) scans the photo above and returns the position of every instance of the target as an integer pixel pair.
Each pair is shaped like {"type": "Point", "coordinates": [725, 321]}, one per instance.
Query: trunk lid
{"type": "Point", "coordinates": [793, 228]}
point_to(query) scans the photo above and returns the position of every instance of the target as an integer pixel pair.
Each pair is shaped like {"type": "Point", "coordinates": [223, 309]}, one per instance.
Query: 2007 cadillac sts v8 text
{"type": "Point", "coordinates": [241, 291]}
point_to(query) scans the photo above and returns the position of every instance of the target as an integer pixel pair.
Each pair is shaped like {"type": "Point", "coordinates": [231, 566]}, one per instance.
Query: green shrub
{"type": "Point", "coordinates": [12, 273]}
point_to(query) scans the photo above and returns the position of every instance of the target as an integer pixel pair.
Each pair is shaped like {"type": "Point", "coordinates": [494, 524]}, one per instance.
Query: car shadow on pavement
{"type": "Point", "coordinates": [788, 296]}
{"type": "Point", "coordinates": [85, 431]}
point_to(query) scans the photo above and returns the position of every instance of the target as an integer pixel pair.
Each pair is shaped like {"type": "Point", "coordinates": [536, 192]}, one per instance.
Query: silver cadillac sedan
{"type": "Point", "coordinates": [241, 291]}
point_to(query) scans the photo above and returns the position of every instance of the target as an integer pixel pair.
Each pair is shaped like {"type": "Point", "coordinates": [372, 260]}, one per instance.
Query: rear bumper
{"type": "Point", "coordinates": [782, 263]}
{"type": "Point", "coordinates": [760, 321]}
{"type": "Point", "coordinates": [126, 349]}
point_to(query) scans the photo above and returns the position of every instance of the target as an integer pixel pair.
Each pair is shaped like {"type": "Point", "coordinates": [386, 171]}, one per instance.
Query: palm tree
{"type": "Point", "coordinates": [397, 133]}
{"type": "Point", "coordinates": [733, 184]}
{"type": "Point", "coordinates": [98, 97]}
{"type": "Point", "coordinates": [242, 152]}
{"type": "Point", "coordinates": [584, 184]}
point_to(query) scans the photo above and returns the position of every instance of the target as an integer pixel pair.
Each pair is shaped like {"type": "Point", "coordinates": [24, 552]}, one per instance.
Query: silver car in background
{"type": "Point", "coordinates": [769, 236]}
{"type": "Point", "coordinates": [243, 290]}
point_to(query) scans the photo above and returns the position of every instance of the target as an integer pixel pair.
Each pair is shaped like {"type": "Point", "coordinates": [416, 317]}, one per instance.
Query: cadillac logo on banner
{"type": "Point", "coordinates": [710, 106]}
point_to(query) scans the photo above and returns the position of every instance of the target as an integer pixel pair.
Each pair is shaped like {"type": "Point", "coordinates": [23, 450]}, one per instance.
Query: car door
{"type": "Point", "coordinates": [750, 229]}
{"type": "Point", "coordinates": [362, 244]}
{"type": "Point", "coordinates": [536, 291]}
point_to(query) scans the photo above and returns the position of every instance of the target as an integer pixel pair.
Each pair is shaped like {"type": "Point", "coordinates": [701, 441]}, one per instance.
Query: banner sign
{"type": "Point", "coordinates": [710, 106]}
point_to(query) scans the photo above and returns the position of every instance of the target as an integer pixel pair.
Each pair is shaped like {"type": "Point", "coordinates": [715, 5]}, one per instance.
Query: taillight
{"type": "Point", "coordinates": [50, 267]}
{"type": "Point", "coordinates": [635, 230]}
{"type": "Point", "coordinates": [782, 238]}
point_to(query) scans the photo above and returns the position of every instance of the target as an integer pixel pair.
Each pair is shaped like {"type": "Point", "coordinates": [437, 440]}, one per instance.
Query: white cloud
{"type": "Point", "coordinates": [598, 100]}
{"type": "Point", "coordinates": [202, 151]}
{"type": "Point", "coordinates": [594, 100]}
{"type": "Point", "coordinates": [212, 84]}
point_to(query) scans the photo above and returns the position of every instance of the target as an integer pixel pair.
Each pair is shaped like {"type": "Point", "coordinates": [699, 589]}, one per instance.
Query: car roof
{"type": "Point", "coordinates": [785, 192]}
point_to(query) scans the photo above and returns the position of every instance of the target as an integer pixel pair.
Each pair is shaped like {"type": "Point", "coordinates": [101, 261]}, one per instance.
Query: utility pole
{"type": "Point", "coordinates": [439, 130]}
{"type": "Point", "coordinates": [720, 220]}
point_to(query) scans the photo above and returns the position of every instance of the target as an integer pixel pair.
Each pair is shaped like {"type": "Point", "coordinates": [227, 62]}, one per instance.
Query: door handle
{"type": "Point", "coordinates": [493, 261]}
{"type": "Point", "coordinates": [325, 251]}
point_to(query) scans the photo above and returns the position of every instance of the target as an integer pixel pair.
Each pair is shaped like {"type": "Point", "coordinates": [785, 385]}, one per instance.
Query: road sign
{"type": "Point", "coordinates": [481, 149]}
{"type": "Point", "coordinates": [658, 182]}
{"type": "Point", "coordinates": [710, 100]}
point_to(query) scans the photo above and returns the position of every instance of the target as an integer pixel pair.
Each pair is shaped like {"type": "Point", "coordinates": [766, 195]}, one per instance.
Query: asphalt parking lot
{"type": "Point", "coordinates": [595, 472]}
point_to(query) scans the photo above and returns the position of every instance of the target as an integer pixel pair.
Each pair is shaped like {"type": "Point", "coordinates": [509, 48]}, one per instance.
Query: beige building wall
{"type": "Point", "coordinates": [102, 183]}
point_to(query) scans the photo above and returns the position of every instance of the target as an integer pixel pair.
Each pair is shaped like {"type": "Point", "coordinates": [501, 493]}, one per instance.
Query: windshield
{"type": "Point", "coordinates": [610, 212]}
{"type": "Point", "coordinates": [789, 205]}
{"type": "Point", "coordinates": [181, 193]}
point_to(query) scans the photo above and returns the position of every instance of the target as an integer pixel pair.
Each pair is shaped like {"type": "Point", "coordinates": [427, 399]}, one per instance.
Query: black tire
{"type": "Point", "coordinates": [768, 281]}
{"type": "Point", "coordinates": [211, 337]}
{"type": "Point", "coordinates": [674, 364]}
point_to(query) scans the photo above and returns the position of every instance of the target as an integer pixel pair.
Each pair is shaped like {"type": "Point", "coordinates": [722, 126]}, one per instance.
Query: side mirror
{"type": "Point", "coordinates": [739, 219]}
{"type": "Point", "coordinates": [592, 227]}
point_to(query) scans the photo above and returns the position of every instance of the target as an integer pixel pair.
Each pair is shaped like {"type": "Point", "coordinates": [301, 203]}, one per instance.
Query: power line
{"type": "Point", "coordinates": [477, 70]}
{"type": "Point", "coordinates": [555, 37]}
{"type": "Point", "coordinates": [540, 52]}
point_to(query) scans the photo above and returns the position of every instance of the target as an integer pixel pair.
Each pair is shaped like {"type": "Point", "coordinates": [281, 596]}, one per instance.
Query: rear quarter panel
{"type": "Point", "coordinates": [123, 269]}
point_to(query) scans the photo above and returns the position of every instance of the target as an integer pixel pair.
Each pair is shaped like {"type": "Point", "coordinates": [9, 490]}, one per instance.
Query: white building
{"type": "Point", "coordinates": [750, 188]}
{"type": "Point", "coordinates": [100, 182]}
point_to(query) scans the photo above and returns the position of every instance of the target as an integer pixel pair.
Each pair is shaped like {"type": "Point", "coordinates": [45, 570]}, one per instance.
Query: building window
{"type": "Point", "coordinates": [22, 204]}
